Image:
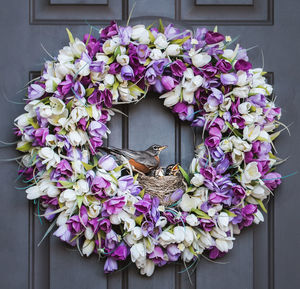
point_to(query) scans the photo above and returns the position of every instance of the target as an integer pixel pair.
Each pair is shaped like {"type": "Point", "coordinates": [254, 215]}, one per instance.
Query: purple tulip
{"type": "Point", "coordinates": [127, 72]}
{"type": "Point", "coordinates": [35, 91]}
{"type": "Point", "coordinates": [238, 194]}
{"type": "Point", "coordinates": [215, 253]}
{"type": "Point", "coordinates": [98, 97]}
{"type": "Point", "coordinates": [215, 98]}
{"type": "Point", "coordinates": [97, 129]}
{"type": "Point", "coordinates": [229, 78]}
{"type": "Point", "coordinates": [126, 183]}
{"type": "Point", "coordinates": [272, 180]}
{"type": "Point", "coordinates": [258, 100]}
{"type": "Point", "coordinates": [223, 65]}
{"type": "Point", "coordinates": [168, 82]}
{"type": "Point", "coordinates": [63, 233]}
{"type": "Point", "coordinates": [109, 31]}
{"type": "Point", "coordinates": [185, 112]}
{"type": "Point", "coordinates": [173, 252]}
{"type": "Point", "coordinates": [125, 34]}
{"type": "Point", "coordinates": [143, 206]}
{"type": "Point", "coordinates": [213, 37]}
{"type": "Point", "coordinates": [105, 225]}
{"type": "Point", "coordinates": [64, 168]}
{"type": "Point", "coordinates": [114, 205]}
{"type": "Point", "coordinates": [247, 214]}
{"type": "Point", "coordinates": [143, 52]}
{"type": "Point", "coordinates": [110, 265]}
{"type": "Point", "coordinates": [111, 240]}
{"type": "Point", "coordinates": [147, 228]}
{"type": "Point", "coordinates": [242, 65]}
{"type": "Point", "coordinates": [157, 256]}
{"type": "Point", "coordinates": [171, 32]}
{"type": "Point", "coordinates": [176, 196]}
{"type": "Point", "coordinates": [107, 163]}
{"type": "Point", "coordinates": [93, 45]}
{"type": "Point", "coordinates": [150, 76]}
{"type": "Point", "coordinates": [178, 68]}
{"type": "Point", "coordinates": [98, 186]}
{"type": "Point", "coordinates": [40, 136]}
{"type": "Point", "coordinates": [121, 252]}
{"type": "Point", "coordinates": [159, 65]}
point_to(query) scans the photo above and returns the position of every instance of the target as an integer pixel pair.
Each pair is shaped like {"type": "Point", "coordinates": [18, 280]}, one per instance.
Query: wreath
{"type": "Point", "coordinates": [97, 202]}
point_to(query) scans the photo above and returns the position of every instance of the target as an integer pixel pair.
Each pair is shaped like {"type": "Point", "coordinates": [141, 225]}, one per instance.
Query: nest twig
{"type": "Point", "coordinates": [162, 187]}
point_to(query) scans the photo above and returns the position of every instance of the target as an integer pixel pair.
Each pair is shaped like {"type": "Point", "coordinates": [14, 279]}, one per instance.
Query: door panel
{"type": "Point", "coordinates": [263, 256]}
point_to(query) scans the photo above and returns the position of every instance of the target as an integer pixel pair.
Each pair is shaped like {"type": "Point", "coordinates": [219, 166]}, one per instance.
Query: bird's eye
{"type": "Point", "coordinates": [156, 148]}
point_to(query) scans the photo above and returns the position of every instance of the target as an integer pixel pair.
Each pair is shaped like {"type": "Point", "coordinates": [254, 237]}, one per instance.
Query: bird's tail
{"type": "Point", "coordinates": [112, 150]}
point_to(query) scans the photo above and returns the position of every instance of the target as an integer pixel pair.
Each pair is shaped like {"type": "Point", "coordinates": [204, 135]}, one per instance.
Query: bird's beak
{"type": "Point", "coordinates": [162, 148]}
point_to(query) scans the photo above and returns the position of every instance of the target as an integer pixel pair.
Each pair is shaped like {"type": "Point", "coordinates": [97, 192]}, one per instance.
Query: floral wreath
{"type": "Point", "coordinates": [96, 203]}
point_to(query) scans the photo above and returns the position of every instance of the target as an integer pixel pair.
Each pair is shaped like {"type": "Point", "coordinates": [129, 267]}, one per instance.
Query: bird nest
{"type": "Point", "coordinates": [162, 187]}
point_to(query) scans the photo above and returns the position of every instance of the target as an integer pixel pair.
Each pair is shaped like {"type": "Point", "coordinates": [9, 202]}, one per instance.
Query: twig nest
{"type": "Point", "coordinates": [162, 187]}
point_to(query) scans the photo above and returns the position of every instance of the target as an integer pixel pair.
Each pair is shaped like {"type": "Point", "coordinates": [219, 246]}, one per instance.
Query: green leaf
{"type": "Point", "coordinates": [66, 184]}
{"type": "Point", "coordinates": [184, 173]}
{"type": "Point", "coordinates": [117, 51]}
{"type": "Point", "coordinates": [87, 167]}
{"type": "Point", "coordinates": [230, 214]}
{"type": "Point", "coordinates": [134, 87]}
{"type": "Point", "coordinates": [69, 105]}
{"type": "Point", "coordinates": [201, 214]}
{"type": "Point", "coordinates": [79, 201]}
{"type": "Point", "coordinates": [89, 111]}
{"type": "Point", "coordinates": [139, 219]}
{"type": "Point", "coordinates": [151, 36]}
{"type": "Point", "coordinates": [71, 38]}
{"type": "Point", "coordinates": [262, 205]}
{"type": "Point", "coordinates": [33, 123]}
{"type": "Point", "coordinates": [275, 135]}
{"type": "Point", "coordinates": [62, 132]}
{"type": "Point", "coordinates": [142, 193]}
{"type": "Point", "coordinates": [235, 131]}
{"type": "Point", "coordinates": [161, 27]}
{"type": "Point", "coordinates": [180, 41]}
{"type": "Point", "coordinates": [117, 169]}
{"type": "Point", "coordinates": [116, 85]}
{"type": "Point", "coordinates": [89, 91]}
{"type": "Point", "coordinates": [25, 147]}
{"type": "Point", "coordinates": [111, 59]}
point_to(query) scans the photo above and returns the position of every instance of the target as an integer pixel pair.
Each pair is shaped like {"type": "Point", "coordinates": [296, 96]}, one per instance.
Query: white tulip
{"type": "Point", "coordinates": [57, 105]}
{"type": "Point", "coordinates": [226, 145]}
{"type": "Point", "coordinates": [250, 173]}
{"type": "Point", "coordinates": [115, 219]}
{"type": "Point", "coordinates": [223, 221]}
{"type": "Point", "coordinates": [109, 80]}
{"type": "Point", "coordinates": [51, 84]}
{"type": "Point", "coordinates": [102, 57]}
{"type": "Point", "coordinates": [65, 55]}
{"type": "Point", "coordinates": [192, 220]}
{"type": "Point", "coordinates": [187, 255]}
{"type": "Point", "coordinates": [138, 252]}
{"type": "Point", "coordinates": [241, 145]}
{"type": "Point", "coordinates": [172, 97]}
{"type": "Point", "coordinates": [138, 31]}
{"type": "Point", "coordinates": [237, 157]}
{"type": "Point", "coordinates": [49, 188]}
{"type": "Point", "coordinates": [258, 217]}
{"type": "Point", "coordinates": [148, 268]}
{"type": "Point", "coordinates": [241, 92]}
{"type": "Point", "coordinates": [252, 132]}
{"type": "Point", "coordinates": [156, 54]}
{"type": "Point", "coordinates": [34, 193]}
{"type": "Point", "coordinates": [88, 233]}
{"type": "Point", "coordinates": [166, 238]}
{"type": "Point", "coordinates": [137, 233]}
{"type": "Point", "coordinates": [201, 59]}
{"type": "Point", "coordinates": [109, 46]}
{"type": "Point", "coordinates": [226, 104]}
{"type": "Point", "coordinates": [88, 247]}
{"type": "Point", "coordinates": [260, 192]}
{"type": "Point", "coordinates": [179, 234]}
{"type": "Point", "coordinates": [45, 111]}
{"type": "Point", "coordinates": [228, 53]}
{"type": "Point", "coordinates": [62, 218]}
{"type": "Point", "coordinates": [197, 180]}
{"type": "Point", "coordinates": [244, 107]}
{"type": "Point", "coordinates": [173, 50]}
{"type": "Point", "coordinates": [189, 74]}
{"type": "Point", "coordinates": [224, 245]}
{"type": "Point", "coordinates": [67, 195]}
{"type": "Point", "coordinates": [78, 47]}
{"type": "Point", "coordinates": [123, 59]}
{"type": "Point", "coordinates": [161, 41]}
{"type": "Point", "coordinates": [188, 203]}
{"type": "Point", "coordinates": [206, 239]}
{"type": "Point", "coordinates": [242, 78]}
{"type": "Point", "coordinates": [94, 211]}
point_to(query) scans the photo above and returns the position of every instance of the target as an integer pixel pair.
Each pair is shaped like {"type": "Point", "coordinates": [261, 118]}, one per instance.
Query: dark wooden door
{"type": "Point", "coordinates": [265, 256]}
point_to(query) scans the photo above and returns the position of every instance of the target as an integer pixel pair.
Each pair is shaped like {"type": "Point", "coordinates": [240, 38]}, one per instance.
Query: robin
{"type": "Point", "coordinates": [172, 170]}
{"type": "Point", "coordinates": [141, 161]}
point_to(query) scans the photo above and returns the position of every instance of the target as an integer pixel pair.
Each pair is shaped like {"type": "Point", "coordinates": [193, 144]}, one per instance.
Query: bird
{"type": "Point", "coordinates": [172, 170]}
{"type": "Point", "coordinates": [141, 161]}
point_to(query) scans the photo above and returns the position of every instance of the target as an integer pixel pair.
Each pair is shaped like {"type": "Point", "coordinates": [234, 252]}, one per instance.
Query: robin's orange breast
{"type": "Point", "coordinates": [140, 167]}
